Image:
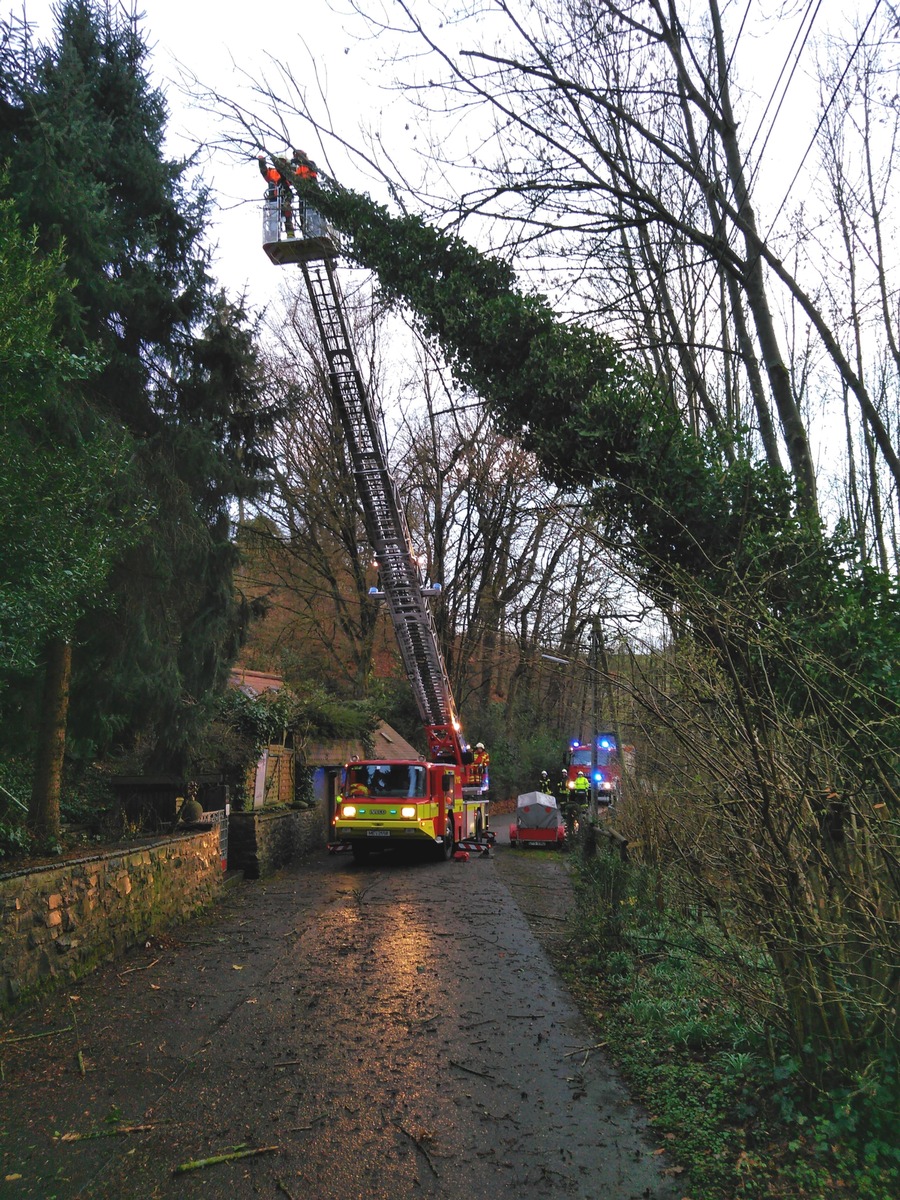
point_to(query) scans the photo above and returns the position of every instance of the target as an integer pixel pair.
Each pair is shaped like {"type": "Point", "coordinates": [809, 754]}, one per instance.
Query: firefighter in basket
{"type": "Point", "coordinates": [278, 193]}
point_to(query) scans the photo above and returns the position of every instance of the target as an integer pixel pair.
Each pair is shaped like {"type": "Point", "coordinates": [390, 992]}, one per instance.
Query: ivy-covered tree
{"type": "Point", "coordinates": [595, 418]}
{"type": "Point", "coordinates": [800, 639]}
{"type": "Point", "coordinates": [178, 379]}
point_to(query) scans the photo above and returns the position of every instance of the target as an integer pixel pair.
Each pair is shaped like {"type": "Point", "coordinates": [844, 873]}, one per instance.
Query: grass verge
{"type": "Point", "coordinates": [668, 996]}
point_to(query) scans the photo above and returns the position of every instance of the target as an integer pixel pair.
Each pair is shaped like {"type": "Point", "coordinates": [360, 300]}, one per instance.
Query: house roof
{"type": "Point", "coordinates": [336, 751]}
{"type": "Point", "coordinates": [254, 683]}
{"type": "Point", "coordinates": [387, 744]}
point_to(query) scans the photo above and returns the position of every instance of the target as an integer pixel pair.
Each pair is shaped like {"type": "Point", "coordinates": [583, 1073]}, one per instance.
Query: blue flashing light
{"type": "Point", "coordinates": [598, 777]}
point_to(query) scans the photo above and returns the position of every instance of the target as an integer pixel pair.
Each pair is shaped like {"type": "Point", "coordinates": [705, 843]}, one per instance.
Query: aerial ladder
{"type": "Point", "coordinates": [440, 803]}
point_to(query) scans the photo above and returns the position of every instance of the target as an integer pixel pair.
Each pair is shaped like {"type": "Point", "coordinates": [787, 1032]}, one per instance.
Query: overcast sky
{"type": "Point", "coordinates": [216, 42]}
{"type": "Point", "coordinates": [228, 44]}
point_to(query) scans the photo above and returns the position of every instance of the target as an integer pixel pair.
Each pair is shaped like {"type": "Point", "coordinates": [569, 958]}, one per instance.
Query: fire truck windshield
{"type": "Point", "coordinates": [397, 781]}
{"type": "Point", "coordinates": [606, 755]}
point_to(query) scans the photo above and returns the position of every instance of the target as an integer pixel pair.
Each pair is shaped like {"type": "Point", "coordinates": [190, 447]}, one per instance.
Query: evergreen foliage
{"type": "Point", "coordinates": [592, 415]}
{"type": "Point", "coordinates": [178, 383]}
{"type": "Point", "coordinates": [243, 725]}
{"type": "Point", "coordinates": [51, 569]}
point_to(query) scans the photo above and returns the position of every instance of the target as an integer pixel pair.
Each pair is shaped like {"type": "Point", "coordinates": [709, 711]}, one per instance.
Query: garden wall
{"type": "Point", "coordinates": [60, 920]}
{"type": "Point", "coordinates": [261, 841]}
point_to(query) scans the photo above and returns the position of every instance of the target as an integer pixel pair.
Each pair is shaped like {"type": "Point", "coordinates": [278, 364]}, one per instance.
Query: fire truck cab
{"type": "Point", "coordinates": [386, 803]}
{"type": "Point", "coordinates": [607, 771]}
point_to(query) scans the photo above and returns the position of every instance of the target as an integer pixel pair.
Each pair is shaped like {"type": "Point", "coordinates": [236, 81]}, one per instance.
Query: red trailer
{"type": "Point", "coordinates": [538, 822]}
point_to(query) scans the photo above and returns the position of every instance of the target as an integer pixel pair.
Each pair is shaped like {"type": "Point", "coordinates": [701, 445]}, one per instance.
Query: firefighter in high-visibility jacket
{"type": "Point", "coordinates": [278, 192]}
{"type": "Point", "coordinates": [562, 791]}
{"type": "Point", "coordinates": [581, 793]}
{"type": "Point", "coordinates": [576, 807]}
{"type": "Point", "coordinates": [481, 760]}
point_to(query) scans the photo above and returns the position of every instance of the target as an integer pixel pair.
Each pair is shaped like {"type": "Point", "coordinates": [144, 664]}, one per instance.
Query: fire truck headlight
{"type": "Point", "coordinates": [348, 810]}
{"type": "Point", "coordinates": [571, 785]}
{"type": "Point", "coordinates": [408, 812]}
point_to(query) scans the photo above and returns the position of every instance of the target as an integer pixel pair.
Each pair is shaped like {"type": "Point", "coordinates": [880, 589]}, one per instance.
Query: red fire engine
{"type": "Point", "coordinates": [442, 802]}
{"type": "Point", "coordinates": [607, 767]}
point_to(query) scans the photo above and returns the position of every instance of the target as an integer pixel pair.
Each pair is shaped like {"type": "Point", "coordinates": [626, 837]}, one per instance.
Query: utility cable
{"type": "Point", "coordinates": [790, 80]}
{"type": "Point", "coordinates": [822, 119]}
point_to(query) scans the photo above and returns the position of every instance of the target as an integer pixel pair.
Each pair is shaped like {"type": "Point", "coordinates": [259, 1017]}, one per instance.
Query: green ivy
{"type": "Point", "coordinates": [243, 725]}
{"type": "Point", "coordinates": [592, 414]}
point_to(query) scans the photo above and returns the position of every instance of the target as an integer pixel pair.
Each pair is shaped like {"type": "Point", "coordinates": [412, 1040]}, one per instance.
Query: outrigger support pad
{"type": "Point", "coordinates": [483, 844]}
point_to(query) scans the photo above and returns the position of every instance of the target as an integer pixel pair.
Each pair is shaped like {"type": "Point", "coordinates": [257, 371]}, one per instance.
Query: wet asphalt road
{"type": "Point", "coordinates": [378, 1031]}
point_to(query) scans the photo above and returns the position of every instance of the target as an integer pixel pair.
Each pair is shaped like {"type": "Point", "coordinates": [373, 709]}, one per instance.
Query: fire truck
{"type": "Point", "coordinates": [607, 768]}
{"type": "Point", "coordinates": [439, 803]}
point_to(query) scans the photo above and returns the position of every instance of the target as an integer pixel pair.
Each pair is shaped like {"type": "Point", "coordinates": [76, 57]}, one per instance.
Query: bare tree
{"type": "Point", "coordinates": [616, 141]}
{"type": "Point", "coordinates": [523, 566]}
{"type": "Point", "coordinates": [859, 148]}
{"type": "Point", "coordinates": [310, 554]}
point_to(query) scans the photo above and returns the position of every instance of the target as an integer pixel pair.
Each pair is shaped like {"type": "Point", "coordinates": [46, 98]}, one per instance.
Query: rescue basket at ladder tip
{"type": "Point", "coordinates": [312, 237]}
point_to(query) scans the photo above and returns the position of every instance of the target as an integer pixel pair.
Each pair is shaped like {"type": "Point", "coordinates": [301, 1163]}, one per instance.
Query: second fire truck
{"type": "Point", "coordinates": [607, 768]}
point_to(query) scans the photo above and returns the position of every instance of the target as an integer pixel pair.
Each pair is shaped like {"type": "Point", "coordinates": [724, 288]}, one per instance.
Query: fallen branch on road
{"type": "Point", "coordinates": [418, 1144]}
{"type": "Point", "coordinates": [28, 1037]}
{"type": "Point", "coordinates": [585, 1049]}
{"type": "Point", "coordinates": [99, 1133]}
{"type": "Point", "coordinates": [470, 1070]}
{"type": "Point", "coordinates": [199, 1163]}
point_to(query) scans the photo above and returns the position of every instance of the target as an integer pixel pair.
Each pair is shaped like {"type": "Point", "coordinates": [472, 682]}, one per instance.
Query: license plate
{"type": "Point", "coordinates": [378, 833]}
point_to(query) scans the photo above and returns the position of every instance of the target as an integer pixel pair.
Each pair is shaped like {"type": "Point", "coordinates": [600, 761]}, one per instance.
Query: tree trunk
{"type": "Point", "coordinates": [792, 425]}
{"type": "Point", "coordinates": [43, 811]}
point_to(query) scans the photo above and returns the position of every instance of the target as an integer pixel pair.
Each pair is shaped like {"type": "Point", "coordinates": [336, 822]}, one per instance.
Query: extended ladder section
{"type": "Point", "coordinates": [303, 237]}
{"type": "Point", "coordinates": [386, 525]}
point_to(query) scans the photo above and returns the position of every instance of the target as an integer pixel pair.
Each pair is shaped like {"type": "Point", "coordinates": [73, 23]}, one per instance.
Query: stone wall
{"type": "Point", "coordinates": [59, 921]}
{"type": "Point", "coordinates": [260, 842]}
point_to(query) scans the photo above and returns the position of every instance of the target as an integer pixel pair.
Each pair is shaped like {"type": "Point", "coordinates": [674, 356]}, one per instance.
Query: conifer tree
{"type": "Point", "coordinates": [81, 131]}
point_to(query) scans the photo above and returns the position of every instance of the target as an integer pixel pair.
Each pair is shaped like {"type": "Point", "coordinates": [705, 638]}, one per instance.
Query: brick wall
{"type": "Point", "coordinates": [59, 921]}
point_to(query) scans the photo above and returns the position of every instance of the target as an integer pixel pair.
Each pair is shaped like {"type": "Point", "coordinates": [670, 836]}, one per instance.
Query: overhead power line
{"type": "Point", "coordinates": [796, 62]}
{"type": "Point", "coordinates": [827, 109]}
